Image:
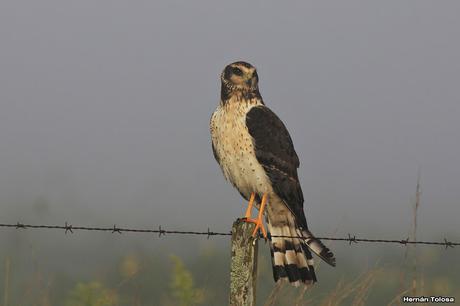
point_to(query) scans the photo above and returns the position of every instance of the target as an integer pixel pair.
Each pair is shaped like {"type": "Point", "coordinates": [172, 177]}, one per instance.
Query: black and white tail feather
{"type": "Point", "coordinates": [291, 257]}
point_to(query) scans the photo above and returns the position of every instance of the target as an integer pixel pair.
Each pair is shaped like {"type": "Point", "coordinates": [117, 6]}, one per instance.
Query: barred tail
{"type": "Point", "coordinates": [317, 247]}
{"type": "Point", "coordinates": [291, 259]}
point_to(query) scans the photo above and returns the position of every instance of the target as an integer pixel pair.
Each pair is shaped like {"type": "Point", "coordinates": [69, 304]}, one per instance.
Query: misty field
{"type": "Point", "coordinates": [105, 269]}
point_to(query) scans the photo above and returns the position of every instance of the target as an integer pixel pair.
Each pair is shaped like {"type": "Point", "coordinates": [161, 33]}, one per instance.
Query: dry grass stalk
{"type": "Point", "coordinates": [362, 290]}
{"type": "Point", "coordinates": [415, 208]}
{"type": "Point", "coordinates": [6, 289]}
{"type": "Point", "coordinates": [344, 289]}
{"type": "Point", "coordinates": [300, 297]}
{"type": "Point", "coordinates": [397, 299]}
{"type": "Point", "coordinates": [418, 194]}
{"type": "Point", "coordinates": [274, 293]}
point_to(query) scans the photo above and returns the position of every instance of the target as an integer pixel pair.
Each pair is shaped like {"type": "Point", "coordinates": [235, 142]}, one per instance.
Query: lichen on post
{"type": "Point", "coordinates": [243, 271]}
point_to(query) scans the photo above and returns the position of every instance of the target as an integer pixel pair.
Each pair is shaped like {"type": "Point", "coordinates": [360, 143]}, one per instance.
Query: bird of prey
{"type": "Point", "coordinates": [256, 154]}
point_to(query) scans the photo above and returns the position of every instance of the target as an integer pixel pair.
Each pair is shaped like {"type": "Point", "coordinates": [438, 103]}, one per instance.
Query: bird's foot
{"type": "Point", "coordinates": [259, 226]}
{"type": "Point", "coordinates": [259, 221]}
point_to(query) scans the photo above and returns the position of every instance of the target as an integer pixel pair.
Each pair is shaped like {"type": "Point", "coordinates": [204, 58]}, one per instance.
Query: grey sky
{"type": "Point", "coordinates": [104, 108]}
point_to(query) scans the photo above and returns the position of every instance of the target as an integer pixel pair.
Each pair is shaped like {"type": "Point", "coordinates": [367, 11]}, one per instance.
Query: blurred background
{"type": "Point", "coordinates": [104, 112]}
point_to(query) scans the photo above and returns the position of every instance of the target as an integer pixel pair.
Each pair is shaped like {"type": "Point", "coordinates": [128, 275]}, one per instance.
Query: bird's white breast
{"type": "Point", "coordinates": [235, 150]}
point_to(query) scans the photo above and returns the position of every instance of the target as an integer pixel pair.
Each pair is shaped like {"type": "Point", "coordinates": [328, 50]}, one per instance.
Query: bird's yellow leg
{"type": "Point", "coordinates": [259, 221]}
{"type": "Point", "coordinates": [250, 204]}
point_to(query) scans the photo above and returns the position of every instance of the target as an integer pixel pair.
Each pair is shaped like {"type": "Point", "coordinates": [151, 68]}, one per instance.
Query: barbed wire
{"type": "Point", "coordinates": [351, 239]}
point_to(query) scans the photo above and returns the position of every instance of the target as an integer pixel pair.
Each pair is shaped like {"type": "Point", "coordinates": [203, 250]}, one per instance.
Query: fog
{"type": "Point", "coordinates": [105, 106]}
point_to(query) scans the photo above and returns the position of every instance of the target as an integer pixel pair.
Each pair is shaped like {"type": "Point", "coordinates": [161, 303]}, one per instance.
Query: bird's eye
{"type": "Point", "coordinates": [237, 71]}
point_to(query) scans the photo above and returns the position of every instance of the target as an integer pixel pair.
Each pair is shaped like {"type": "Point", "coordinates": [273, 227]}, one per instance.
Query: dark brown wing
{"type": "Point", "coordinates": [275, 152]}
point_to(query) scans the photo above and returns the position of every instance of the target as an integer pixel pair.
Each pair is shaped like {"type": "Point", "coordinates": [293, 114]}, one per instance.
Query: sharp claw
{"type": "Point", "coordinates": [259, 221]}
{"type": "Point", "coordinates": [261, 227]}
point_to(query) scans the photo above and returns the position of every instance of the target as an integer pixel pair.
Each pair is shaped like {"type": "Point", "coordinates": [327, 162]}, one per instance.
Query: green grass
{"type": "Point", "coordinates": [159, 278]}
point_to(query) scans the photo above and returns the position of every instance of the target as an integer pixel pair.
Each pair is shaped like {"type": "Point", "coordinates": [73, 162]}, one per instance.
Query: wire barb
{"type": "Point", "coordinates": [68, 228]}
{"type": "Point", "coordinates": [351, 239]}
{"type": "Point", "coordinates": [115, 229]}
{"type": "Point", "coordinates": [405, 241]}
{"type": "Point", "coordinates": [448, 244]}
{"type": "Point", "coordinates": [161, 232]}
{"type": "Point", "coordinates": [20, 225]}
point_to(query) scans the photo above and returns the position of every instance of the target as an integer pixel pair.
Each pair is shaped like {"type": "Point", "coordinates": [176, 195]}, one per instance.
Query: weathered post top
{"type": "Point", "coordinates": [243, 271]}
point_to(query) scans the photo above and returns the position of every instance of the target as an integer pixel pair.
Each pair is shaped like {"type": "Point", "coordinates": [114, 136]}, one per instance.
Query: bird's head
{"type": "Point", "coordinates": [240, 76]}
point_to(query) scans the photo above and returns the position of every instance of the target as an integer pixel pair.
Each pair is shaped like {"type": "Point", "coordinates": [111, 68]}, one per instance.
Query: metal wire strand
{"type": "Point", "coordinates": [351, 239]}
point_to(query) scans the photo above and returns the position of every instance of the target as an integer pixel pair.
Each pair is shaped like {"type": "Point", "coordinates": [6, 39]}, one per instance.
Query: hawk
{"type": "Point", "coordinates": [256, 154]}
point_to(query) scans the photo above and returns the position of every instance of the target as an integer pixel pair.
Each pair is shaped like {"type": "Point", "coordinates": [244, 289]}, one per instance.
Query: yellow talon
{"type": "Point", "coordinates": [259, 221]}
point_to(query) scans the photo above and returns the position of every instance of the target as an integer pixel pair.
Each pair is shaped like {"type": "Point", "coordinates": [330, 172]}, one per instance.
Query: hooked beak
{"type": "Point", "coordinates": [251, 80]}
